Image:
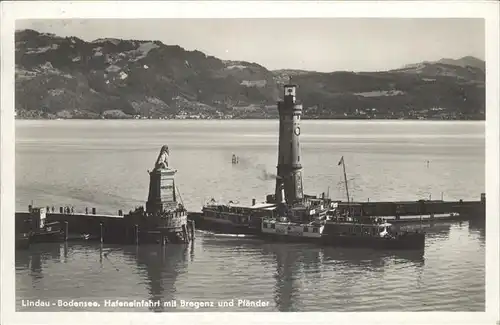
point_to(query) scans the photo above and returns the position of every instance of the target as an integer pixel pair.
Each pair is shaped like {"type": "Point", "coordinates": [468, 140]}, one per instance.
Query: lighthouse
{"type": "Point", "coordinates": [289, 175]}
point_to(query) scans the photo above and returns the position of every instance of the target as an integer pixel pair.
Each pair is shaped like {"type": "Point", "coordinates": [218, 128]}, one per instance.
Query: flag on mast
{"type": "Point", "coordinates": [341, 161]}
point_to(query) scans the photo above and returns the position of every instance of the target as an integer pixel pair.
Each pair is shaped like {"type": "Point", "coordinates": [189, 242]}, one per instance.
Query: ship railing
{"type": "Point", "coordinates": [214, 203]}
{"type": "Point", "coordinates": [228, 209]}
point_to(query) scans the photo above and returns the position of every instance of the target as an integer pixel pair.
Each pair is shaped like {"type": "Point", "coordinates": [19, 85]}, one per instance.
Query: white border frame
{"type": "Point", "coordinates": [10, 11]}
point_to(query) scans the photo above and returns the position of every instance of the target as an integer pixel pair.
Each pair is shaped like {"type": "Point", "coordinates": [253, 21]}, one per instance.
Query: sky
{"type": "Point", "coordinates": [317, 44]}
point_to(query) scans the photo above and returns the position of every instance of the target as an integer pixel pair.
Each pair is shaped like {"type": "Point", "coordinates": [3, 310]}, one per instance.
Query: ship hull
{"type": "Point", "coordinates": [51, 232]}
{"type": "Point", "coordinates": [47, 237]}
{"type": "Point", "coordinates": [221, 226]}
{"type": "Point", "coordinates": [225, 228]}
{"type": "Point", "coordinates": [403, 242]}
{"type": "Point", "coordinates": [329, 235]}
{"type": "Point", "coordinates": [408, 242]}
{"type": "Point", "coordinates": [289, 238]}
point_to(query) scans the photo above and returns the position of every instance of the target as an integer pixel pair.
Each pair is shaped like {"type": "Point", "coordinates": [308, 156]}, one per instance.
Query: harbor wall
{"type": "Point", "coordinates": [471, 208]}
{"type": "Point", "coordinates": [111, 228]}
{"type": "Point", "coordinates": [117, 229]}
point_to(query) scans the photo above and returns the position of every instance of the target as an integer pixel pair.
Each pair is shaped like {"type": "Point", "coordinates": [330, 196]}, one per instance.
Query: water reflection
{"type": "Point", "coordinates": [296, 277]}
{"type": "Point", "coordinates": [301, 270]}
{"type": "Point", "coordinates": [161, 265]}
{"type": "Point", "coordinates": [289, 261]}
{"type": "Point", "coordinates": [368, 259]}
{"type": "Point", "coordinates": [478, 227]}
{"type": "Point", "coordinates": [34, 258]}
{"type": "Point", "coordinates": [298, 263]}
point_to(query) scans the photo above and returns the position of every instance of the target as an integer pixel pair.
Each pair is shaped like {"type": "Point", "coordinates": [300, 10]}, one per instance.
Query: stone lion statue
{"type": "Point", "coordinates": [162, 160]}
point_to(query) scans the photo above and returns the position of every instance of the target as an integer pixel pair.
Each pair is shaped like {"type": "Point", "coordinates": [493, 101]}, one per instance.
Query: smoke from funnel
{"type": "Point", "coordinates": [261, 171]}
{"type": "Point", "coordinates": [266, 176]}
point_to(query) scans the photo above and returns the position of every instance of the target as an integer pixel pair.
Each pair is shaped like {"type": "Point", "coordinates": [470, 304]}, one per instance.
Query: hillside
{"type": "Point", "coordinates": [113, 78]}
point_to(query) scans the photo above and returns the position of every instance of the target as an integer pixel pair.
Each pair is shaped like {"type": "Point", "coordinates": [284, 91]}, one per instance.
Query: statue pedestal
{"type": "Point", "coordinates": [162, 194]}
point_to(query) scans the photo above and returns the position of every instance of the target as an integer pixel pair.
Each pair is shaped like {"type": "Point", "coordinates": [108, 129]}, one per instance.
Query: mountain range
{"type": "Point", "coordinates": [66, 77]}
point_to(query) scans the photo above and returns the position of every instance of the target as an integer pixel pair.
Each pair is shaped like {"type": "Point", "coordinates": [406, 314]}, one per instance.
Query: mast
{"type": "Point", "coordinates": [346, 186]}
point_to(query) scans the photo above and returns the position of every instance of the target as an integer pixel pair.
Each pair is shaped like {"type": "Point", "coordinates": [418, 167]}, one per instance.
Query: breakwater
{"type": "Point", "coordinates": [132, 228]}
{"type": "Point", "coordinates": [398, 210]}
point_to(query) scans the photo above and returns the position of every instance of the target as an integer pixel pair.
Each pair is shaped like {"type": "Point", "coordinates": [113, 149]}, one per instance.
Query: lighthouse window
{"type": "Point", "coordinates": [298, 158]}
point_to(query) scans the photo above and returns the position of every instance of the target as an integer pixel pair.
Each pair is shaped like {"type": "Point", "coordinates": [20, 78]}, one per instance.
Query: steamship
{"type": "Point", "coordinates": [297, 223]}
{"type": "Point", "coordinates": [232, 218]}
{"type": "Point", "coordinates": [344, 231]}
{"type": "Point", "coordinates": [369, 232]}
{"type": "Point", "coordinates": [290, 215]}
{"type": "Point", "coordinates": [335, 226]}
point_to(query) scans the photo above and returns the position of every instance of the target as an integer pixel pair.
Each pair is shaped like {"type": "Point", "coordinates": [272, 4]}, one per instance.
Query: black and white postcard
{"type": "Point", "coordinates": [254, 162]}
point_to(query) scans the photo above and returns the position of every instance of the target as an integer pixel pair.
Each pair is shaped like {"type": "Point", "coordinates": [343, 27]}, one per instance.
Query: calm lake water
{"type": "Point", "coordinates": [104, 164]}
